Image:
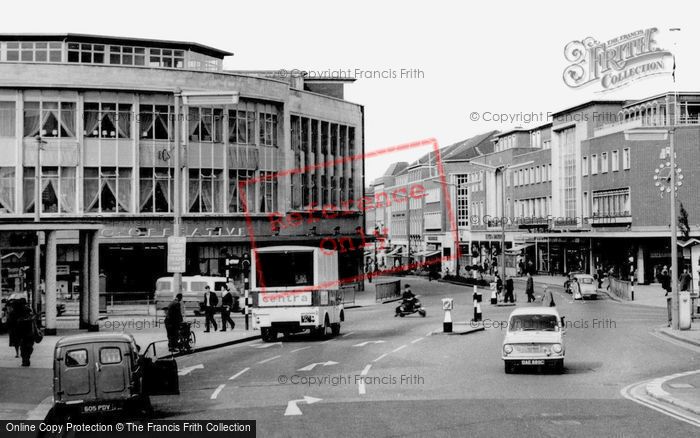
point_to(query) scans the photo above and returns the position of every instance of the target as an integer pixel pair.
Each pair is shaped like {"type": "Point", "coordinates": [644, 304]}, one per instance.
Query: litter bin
{"type": "Point", "coordinates": [684, 310]}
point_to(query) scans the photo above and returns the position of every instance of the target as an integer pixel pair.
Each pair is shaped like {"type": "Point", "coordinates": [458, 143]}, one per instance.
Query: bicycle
{"type": "Point", "coordinates": [186, 339]}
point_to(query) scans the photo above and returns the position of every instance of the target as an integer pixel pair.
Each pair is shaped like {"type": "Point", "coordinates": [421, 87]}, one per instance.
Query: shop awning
{"type": "Point", "coordinates": [689, 242]}
{"type": "Point", "coordinates": [516, 249]}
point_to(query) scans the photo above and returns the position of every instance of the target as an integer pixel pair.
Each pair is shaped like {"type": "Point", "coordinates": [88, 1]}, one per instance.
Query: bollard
{"type": "Point", "coordinates": [447, 305]}
{"type": "Point", "coordinates": [476, 296]}
{"type": "Point", "coordinates": [632, 290]}
{"type": "Point", "coordinates": [494, 299]}
{"type": "Point", "coordinates": [477, 312]}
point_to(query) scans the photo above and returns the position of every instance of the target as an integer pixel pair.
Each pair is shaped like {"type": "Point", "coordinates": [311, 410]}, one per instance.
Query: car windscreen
{"type": "Point", "coordinates": [533, 322]}
{"type": "Point", "coordinates": [286, 269]}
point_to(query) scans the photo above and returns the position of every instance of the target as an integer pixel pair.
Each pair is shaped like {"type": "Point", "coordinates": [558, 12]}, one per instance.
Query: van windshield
{"type": "Point", "coordinates": [547, 323]}
{"type": "Point", "coordinates": [286, 269]}
{"type": "Point", "coordinates": [197, 286]}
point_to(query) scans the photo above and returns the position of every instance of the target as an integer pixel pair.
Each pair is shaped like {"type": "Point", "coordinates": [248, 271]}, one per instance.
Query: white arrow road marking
{"type": "Point", "coordinates": [293, 409]}
{"type": "Point", "coordinates": [185, 371]}
{"type": "Point", "coordinates": [313, 365]}
{"type": "Point", "coordinates": [361, 386]}
{"type": "Point", "coordinates": [267, 345]}
{"type": "Point", "coordinates": [238, 374]}
{"type": "Point", "coordinates": [269, 359]}
{"type": "Point", "coordinates": [216, 392]}
{"type": "Point", "coordinates": [362, 344]}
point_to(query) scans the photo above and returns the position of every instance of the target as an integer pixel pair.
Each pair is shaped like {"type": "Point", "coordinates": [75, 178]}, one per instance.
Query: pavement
{"type": "Point", "coordinates": [397, 377]}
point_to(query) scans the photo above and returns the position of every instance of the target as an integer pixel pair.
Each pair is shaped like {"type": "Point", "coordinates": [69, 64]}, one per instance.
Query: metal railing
{"type": "Point", "coordinates": [620, 288]}
{"type": "Point", "coordinates": [387, 290]}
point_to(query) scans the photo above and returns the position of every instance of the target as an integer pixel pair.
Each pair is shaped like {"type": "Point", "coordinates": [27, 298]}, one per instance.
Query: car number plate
{"type": "Point", "coordinates": [533, 362]}
{"type": "Point", "coordinates": [104, 407]}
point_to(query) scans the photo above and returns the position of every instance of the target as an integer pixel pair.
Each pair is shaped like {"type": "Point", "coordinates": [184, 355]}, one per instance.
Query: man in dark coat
{"type": "Point", "coordinates": [509, 290]}
{"type": "Point", "coordinates": [173, 319]}
{"type": "Point", "coordinates": [210, 303]}
{"type": "Point", "coordinates": [24, 326]}
{"type": "Point", "coordinates": [227, 305]}
{"type": "Point", "coordinates": [685, 280]}
{"type": "Point", "coordinates": [530, 288]}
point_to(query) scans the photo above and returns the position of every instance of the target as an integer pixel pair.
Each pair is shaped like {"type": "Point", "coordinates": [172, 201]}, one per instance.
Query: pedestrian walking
{"type": "Point", "coordinates": [509, 297]}
{"type": "Point", "coordinates": [548, 298]}
{"type": "Point", "coordinates": [665, 280]}
{"type": "Point", "coordinates": [227, 305]}
{"type": "Point", "coordinates": [599, 275]}
{"type": "Point", "coordinates": [209, 304]}
{"type": "Point", "coordinates": [530, 288]}
{"type": "Point", "coordinates": [26, 330]}
{"type": "Point", "coordinates": [499, 285]}
{"type": "Point", "coordinates": [173, 320]}
{"type": "Point", "coordinates": [685, 280]}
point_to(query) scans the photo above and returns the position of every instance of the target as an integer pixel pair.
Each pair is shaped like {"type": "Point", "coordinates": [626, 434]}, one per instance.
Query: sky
{"type": "Point", "coordinates": [498, 57]}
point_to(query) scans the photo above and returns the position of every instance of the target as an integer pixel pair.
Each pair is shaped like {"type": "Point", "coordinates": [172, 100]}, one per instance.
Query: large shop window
{"type": "Point", "coordinates": [49, 119]}
{"type": "Point", "coordinates": [268, 129]}
{"type": "Point", "coordinates": [7, 189]}
{"type": "Point", "coordinates": [237, 180]}
{"type": "Point", "coordinates": [7, 119]}
{"type": "Point", "coordinates": [241, 127]}
{"type": "Point", "coordinates": [107, 190]}
{"type": "Point", "coordinates": [156, 190]}
{"type": "Point", "coordinates": [107, 120]}
{"type": "Point", "coordinates": [206, 191]}
{"type": "Point", "coordinates": [205, 125]}
{"type": "Point", "coordinates": [156, 121]}
{"type": "Point", "coordinates": [57, 189]}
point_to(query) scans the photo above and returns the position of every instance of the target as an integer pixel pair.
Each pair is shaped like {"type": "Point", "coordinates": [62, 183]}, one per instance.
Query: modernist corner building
{"type": "Point", "coordinates": [90, 120]}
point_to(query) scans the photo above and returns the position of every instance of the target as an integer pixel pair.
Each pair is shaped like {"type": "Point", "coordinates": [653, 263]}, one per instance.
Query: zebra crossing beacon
{"type": "Point", "coordinates": [447, 306]}
{"type": "Point", "coordinates": [477, 305]}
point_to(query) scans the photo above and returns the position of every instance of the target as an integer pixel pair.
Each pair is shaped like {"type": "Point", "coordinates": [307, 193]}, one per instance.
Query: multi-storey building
{"type": "Point", "coordinates": [579, 192]}
{"type": "Point", "coordinates": [91, 120]}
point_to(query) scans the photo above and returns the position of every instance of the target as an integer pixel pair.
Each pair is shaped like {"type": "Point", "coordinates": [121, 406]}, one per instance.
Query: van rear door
{"type": "Point", "coordinates": [112, 370]}
{"type": "Point", "coordinates": [77, 376]}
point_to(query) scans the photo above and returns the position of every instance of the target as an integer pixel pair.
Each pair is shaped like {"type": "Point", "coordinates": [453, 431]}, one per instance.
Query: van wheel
{"type": "Point", "coordinates": [559, 366]}
{"type": "Point", "coordinates": [268, 335]}
{"type": "Point", "coordinates": [335, 329]}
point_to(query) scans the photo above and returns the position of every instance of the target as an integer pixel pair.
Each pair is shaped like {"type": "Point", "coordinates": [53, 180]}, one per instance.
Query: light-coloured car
{"type": "Point", "coordinates": [534, 337]}
{"type": "Point", "coordinates": [587, 287]}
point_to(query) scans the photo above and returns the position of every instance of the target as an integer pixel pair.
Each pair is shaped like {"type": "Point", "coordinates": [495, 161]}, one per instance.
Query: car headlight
{"type": "Point", "coordinates": [507, 349]}
{"type": "Point", "coordinates": [556, 348]}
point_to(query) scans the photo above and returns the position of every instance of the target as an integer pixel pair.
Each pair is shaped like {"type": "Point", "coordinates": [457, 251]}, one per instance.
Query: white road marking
{"type": "Point", "coordinates": [347, 334]}
{"type": "Point", "coordinates": [293, 409]}
{"type": "Point", "coordinates": [185, 371]}
{"type": "Point", "coordinates": [361, 386]}
{"type": "Point", "coordinates": [637, 393]}
{"type": "Point", "coordinates": [238, 374]}
{"type": "Point", "coordinates": [313, 365]}
{"type": "Point", "coordinates": [399, 349]}
{"type": "Point", "coordinates": [269, 359]}
{"type": "Point", "coordinates": [380, 357]}
{"type": "Point", "coordinates": [362, 344]}
{"type": "Point", "coordinates": [41, 410]}
{"type": "Point", "coordinates": [267, 345]}
{"type": "Point", "coordinates": [299, 349]}
{"type": "Point", "coordinates": [216, 392]}
{"type": "Point", "coordinates": [416, 340]}
{"type": "Point", "coordinates": [329, 340]}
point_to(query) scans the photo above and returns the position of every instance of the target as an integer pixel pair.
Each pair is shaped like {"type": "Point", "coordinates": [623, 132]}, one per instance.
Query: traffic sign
{"type": "Point", "coordinates": [176, 254]}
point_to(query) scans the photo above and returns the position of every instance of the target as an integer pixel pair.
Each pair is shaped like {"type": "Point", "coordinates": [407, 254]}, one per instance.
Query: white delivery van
{"type": "Point", "coordinates": [192, 291]}
{"type": "Point", "coordinates": [295, 288]}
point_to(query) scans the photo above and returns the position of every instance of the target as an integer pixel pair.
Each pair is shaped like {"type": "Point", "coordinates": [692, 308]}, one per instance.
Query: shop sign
{"type": "Point", "coordinates": [146, 232]}
{"type": "Point", "coordinates": [176, 254]}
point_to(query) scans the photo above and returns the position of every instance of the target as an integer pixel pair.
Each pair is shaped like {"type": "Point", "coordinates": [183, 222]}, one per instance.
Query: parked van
{"type": "Point", "coordinates": [97, 373]}
{"type": "Point", "coordinates": [192, 291]}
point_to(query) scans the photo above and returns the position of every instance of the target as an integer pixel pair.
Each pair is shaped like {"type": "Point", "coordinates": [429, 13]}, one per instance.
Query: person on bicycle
{"type": "Point", "coordinates": [173, 319]}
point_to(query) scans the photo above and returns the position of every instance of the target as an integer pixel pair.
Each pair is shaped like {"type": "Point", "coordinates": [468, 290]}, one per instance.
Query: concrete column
{"type": "Point", "coordinates": [84, 278]}
{"type": "Point", "coordinates": [94, 288]}
{"type": "Point", "coordinates": [591, 259]}
{"type": "Point", "coordinates": [36, 292]}
{"type": "Point", "coordinates": [640, 265]}
{"type": "Point", "coordinates": [50, 301]}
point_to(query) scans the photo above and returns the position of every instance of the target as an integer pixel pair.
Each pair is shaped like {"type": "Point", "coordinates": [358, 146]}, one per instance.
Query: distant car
{"type": "Point", "coordinates": [587, 287]}
{"type": "Point", "coordinates": [534, 337]}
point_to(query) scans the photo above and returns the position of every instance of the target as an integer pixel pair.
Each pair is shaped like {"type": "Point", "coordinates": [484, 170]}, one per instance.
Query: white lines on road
{"type": "Point", "coordinates": [269, 359]}
{"type": "Point", "coordinates": [216, 392]}
{"type": "Point", "coordinates": [238, 374]}
{"type": "Point", "coordinates": [299, 349]}
{"type": "Point", "coordinates": [399, 349]}
{"type": "Point", "coordinates": [416, 340]}
{"type": "Point", "coordinates": [381, 357]}
{"type": "Point", "coordinates": [346, 334]}
{"type": "Point", "coordinates": [361, 386]}
{"type": "Point", "coordinates": [329, 340]}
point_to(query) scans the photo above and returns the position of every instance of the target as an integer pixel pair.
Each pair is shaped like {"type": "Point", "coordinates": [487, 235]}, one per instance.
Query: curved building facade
{"type": "Point", "coordinates": [91, 121]}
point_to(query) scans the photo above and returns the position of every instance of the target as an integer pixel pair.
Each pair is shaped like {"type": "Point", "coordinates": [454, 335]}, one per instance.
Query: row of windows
{"type": "Point", "coordinates": [609, 203]}
{"type": "Point", "coordinates": [156, 122]}
{"type": "Point", "coordinates": [110, 189]}
{"type": "Point", "coordinates": [533, 175]}
{"type": "Point", "coordinates": [533, 208]}
{"type": "Point", "coordinates": [91, 53]}
{"type": "Point", "coordinates": [606, 164]}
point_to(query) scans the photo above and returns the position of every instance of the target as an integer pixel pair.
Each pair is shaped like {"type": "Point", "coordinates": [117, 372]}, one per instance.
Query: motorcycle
{"type": "Point", "coordinates": [409, 308]}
